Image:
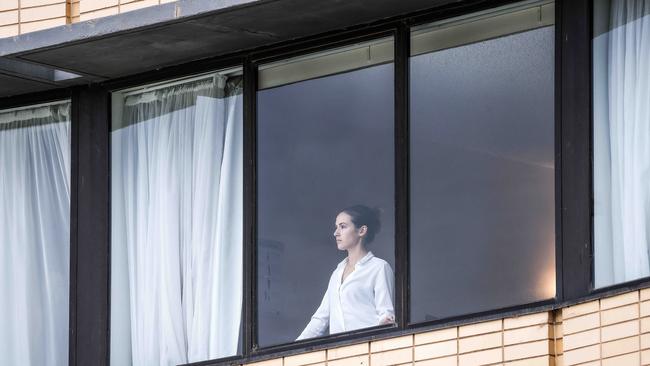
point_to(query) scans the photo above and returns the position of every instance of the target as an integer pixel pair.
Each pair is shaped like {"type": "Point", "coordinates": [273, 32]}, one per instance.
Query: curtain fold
{"type": "Point", "coordinates": [629, 137]}
{"type": "Point", "coordinates": [177, 209]}
{"type": "Point", "coordinates": [34, 235]}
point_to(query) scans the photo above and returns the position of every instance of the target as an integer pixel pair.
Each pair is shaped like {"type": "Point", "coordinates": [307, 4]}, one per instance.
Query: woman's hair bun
{"type": "Point", "coordinates": [363, 215]}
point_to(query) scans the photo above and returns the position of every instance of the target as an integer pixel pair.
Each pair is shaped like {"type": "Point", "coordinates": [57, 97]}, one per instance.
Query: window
{"type": "Point", "coordinates": [621, 140]}
{"type": "Point", "coordinates": [482, 162]}
{"type": "Point", "coordinates": [325, 164]}
{"type": "Point", "coordinates": [324, 184]}
{"type": "Point", "coordinates": [177, 197]}
{"type": "Point", "coordinates": [35, 234]}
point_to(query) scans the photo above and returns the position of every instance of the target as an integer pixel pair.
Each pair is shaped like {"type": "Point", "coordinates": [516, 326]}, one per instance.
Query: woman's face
{"type": "Point", "coordinates": [347, 235]}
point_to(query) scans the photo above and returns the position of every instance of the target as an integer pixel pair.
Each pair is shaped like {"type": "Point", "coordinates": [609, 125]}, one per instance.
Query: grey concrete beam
{"type": "Point", "coordinates": [187, 30]}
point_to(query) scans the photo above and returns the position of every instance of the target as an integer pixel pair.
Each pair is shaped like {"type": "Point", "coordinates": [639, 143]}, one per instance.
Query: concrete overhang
{"type": "Point", "coordinates": [175, 33]}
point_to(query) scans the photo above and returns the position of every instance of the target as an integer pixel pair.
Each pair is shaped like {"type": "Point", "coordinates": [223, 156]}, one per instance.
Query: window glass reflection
{"type": "Point", "coordinates": [326, 197]}
{"type": "Point", "coordinates": [482, 172]}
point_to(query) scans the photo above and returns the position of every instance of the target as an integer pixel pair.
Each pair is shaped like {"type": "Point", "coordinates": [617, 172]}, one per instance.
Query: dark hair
{"type": "Point", "coordinates": [363, 215]}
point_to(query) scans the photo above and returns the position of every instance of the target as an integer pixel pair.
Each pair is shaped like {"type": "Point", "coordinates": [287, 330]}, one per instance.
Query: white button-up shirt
{"type": "Point", "coordinates": [364, 299]}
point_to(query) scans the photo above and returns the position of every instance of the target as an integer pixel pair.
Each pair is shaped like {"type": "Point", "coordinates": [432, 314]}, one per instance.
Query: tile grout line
{"type": "Point", "coordinates": [600, 334]}
{"type": "Point", "coordinates": [458, 346]}
{"type": "Point", "coordinates": [503, 348]}
{"type": "Point", "coordinates": [47, 4]}
{"type": "Point", "coordinates": [621, 354]}
{"type": "Point", "coordinates": [599, 310]}
{"type": "Point", "coordinates": [553, 321]}
{"type": "Point", "coordinates": [369, 353]}
{"type": "Point", "coordinates": [413, 349]}
{"type": "Point", "coordinates": [602, 326]}
{"type": "Point", "coordinates": [638, 339]}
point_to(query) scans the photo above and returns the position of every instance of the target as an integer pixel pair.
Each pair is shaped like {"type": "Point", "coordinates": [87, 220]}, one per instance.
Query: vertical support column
{"type": "Point", "coordinates": [250, 208]}
{"type": "Point", "coordinates": [402, 200]}
{"type": "Point", "coordinates": [574, 28]}
{"type": "Point", "coordinates": [90, 245]}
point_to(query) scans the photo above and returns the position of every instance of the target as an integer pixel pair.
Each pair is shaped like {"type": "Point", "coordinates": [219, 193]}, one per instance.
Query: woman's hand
{"type": "Point", "coordinates": [387, 319]}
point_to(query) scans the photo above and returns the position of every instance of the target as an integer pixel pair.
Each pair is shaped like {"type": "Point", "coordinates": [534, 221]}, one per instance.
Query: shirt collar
{"type": "Point", "coordinates": [361, 262]}
{"type": "Point", "coordinates": [366, 258]}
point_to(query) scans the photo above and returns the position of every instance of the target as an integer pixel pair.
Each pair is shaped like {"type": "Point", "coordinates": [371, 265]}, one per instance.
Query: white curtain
{"type": "Point", "coordinates": [34, 236]}
{"type": "Point", "coordinates": [628, 98]}
{"type": "Point", "coordinates": [177, 175]}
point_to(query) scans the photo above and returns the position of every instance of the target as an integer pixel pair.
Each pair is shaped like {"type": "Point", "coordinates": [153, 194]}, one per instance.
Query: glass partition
{"type": "Point", "coordinates": [482, 162]}
{"type": "Point", "coordinates": [325, 209]}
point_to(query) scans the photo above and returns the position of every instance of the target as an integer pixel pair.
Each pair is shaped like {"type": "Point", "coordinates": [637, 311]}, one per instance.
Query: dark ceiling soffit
{"type": "Point", "coordinates": [131, 21]}
{"type": "Point", "coordinates": [187, 30]}
{"type": "Point", "coordinates": [19, 74]}
{"type": "Point", "coordinates": [15, 85]}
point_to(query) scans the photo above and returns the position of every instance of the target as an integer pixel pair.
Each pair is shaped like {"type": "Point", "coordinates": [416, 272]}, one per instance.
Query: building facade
{"type": "Point", "coordinates": [186, 182]}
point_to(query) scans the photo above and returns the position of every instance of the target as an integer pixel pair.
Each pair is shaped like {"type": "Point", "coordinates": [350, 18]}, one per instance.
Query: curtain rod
{"type": "Point", "coordinates": [332, 52]}
{"type": "Point", "coordinates": [177, 81]}
{"type": "Point", "coordinates": [31, 106]}
{"type": "Point", "coordinates": [486, 14]}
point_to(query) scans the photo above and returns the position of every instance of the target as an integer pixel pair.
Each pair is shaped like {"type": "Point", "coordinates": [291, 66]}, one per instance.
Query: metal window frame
{"type": "Point", "coordinates": [255, 62]}
{"type": "Point", "coordinates": [90, 190]}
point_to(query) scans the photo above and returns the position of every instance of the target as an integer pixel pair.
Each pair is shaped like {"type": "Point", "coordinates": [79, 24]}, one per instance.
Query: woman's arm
{"type": "Point", "coordinates": [384, 289]}
{"type": "Point", "coordinates": [319, 322]}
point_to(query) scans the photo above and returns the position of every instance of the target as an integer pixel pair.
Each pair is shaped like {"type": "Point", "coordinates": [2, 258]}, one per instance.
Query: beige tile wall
{"type": "Point", "coordinates": [613, 331]}
{"type": "Point", "coordinates": [22, 16]}
{"type": "Point", "coordinates": [92, 9]}
{"type": "Point", "coordinates": [9, 18]}
{"type": "Point", "coordinates": [525, 340]}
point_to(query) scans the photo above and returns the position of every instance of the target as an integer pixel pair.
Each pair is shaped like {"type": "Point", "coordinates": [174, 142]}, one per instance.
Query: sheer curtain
{"type": "Point", "coordinates": [177, 175]}
{"type": "Point", "coordinates": [34, 235]}
{"type": "Point", "coordinates": [623, 234]}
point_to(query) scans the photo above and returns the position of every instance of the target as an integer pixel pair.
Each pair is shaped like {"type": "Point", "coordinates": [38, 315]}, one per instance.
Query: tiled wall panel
{"type": "Point", "coordinates": [92, 9]}
{"type": "Point", "coordinates": [526, 340]}
{"type": "Point", "coordinates": [613, 331]}
{"type": "Point", "coordinates": [23, 16]}
{"type": "Point", "coordinates": [9, 18]}
{"type": "Point", "coordinates": [609, 331]}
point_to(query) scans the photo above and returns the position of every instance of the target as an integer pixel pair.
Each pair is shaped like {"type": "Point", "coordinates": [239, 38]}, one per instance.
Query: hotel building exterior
{"type": "Point", "coordinates": [173, 175]}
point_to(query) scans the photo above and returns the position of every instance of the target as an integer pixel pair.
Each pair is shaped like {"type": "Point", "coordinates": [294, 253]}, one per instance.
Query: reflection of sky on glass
{"type": "Point", "coordinates": [323, 145]}
{"type": "Point", "coordinates": [482, 140]}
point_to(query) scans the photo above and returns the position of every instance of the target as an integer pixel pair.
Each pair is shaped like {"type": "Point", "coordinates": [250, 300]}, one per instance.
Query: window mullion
{"type": "Point", "coordinates": [250, 208]}
{"type": "Point", "coordinates": [402, 46]}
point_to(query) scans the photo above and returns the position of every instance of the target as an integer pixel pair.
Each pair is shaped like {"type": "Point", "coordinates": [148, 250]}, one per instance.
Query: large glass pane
{"type": "Point", "coordinates": [621, 112]}
{"type": "Point", "coordinates": [482, 162]}
{"type": "Point", "coordinates": [176, 224]}
{"type": "Point", "coordinates": [325, 188]}
{"type": "Point", "coordinates": [35, 235]}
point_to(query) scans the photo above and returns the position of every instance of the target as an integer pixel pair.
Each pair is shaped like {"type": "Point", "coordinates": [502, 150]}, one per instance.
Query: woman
{"type": "Point", "coordinates": [360, 290]}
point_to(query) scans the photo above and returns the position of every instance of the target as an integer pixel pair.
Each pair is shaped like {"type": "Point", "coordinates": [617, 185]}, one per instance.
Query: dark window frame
{"type": "Point", "coordinates": [251, 93]}
{"type": "Point", "coordinates": [90, 205]}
